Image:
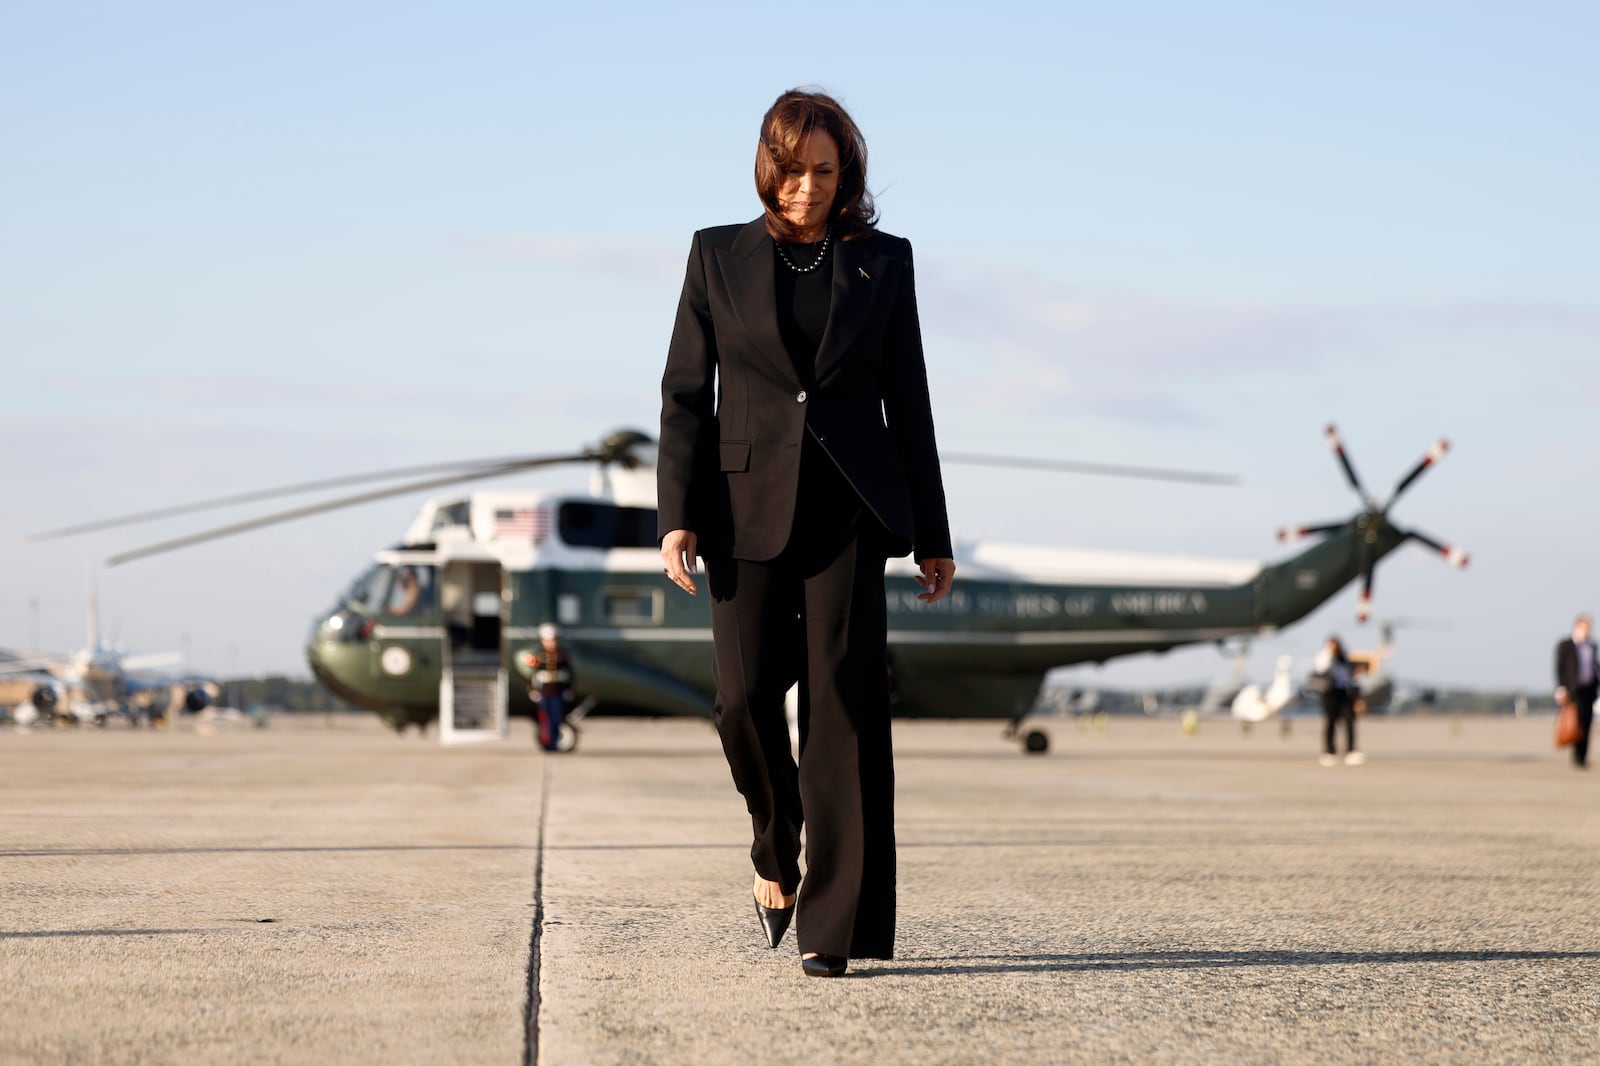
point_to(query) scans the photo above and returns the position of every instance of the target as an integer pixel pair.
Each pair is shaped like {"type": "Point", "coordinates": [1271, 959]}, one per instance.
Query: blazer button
{"type": "Point", "coordinates": [801, 398]}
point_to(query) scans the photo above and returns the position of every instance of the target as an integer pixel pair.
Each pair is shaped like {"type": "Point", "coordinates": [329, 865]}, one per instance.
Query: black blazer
{"type": "Point", "coordinates": [734, 410]}
{"type": "Point", "coordinates": [1567, 665]}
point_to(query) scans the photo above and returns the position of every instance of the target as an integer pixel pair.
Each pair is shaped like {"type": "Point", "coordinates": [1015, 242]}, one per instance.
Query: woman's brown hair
{"type": "Point", "coordinates": [787, 122]}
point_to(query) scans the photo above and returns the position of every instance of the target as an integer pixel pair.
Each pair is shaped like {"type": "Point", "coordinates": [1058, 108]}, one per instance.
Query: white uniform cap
{"type": "Point", "coordinates": [548, 630]}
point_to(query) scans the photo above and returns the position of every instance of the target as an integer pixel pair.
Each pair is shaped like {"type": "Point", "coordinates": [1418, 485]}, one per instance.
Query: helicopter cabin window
{"type": "Point", "coordinates": [606, 526]}
{"type": "Point", "coordinates": [457, 514]}
{"type": "Point", "coordinates": [631, 606]}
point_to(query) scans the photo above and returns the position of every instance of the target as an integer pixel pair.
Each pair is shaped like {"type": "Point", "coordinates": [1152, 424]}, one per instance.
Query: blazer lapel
{"type": "Point", "coordinates": [857, 277]}
{"type": "Point", "coordinates": [747, 272]}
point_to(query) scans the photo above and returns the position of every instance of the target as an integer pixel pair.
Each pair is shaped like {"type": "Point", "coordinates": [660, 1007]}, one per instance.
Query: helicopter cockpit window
{"type": "Point", "coordinates": [370, 587]}
{"type": "Point", "coordinates": [604, 525]}
{"type": "Point", "coordinates": [378, 589]}
{"type": "Point", "coordinates": [412, 593]}
{"type": "Point", "coordinates": [405, 591]}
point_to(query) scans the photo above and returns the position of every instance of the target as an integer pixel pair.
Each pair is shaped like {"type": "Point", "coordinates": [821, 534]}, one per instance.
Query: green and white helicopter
{"type": "Point", "coordinates": [444, 625]}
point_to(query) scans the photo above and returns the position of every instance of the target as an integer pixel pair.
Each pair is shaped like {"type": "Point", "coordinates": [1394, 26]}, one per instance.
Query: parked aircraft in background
{"type": "Point", "coordinates": [99, 682]}
{"type": "Point", "coordinates": [1252, 703]}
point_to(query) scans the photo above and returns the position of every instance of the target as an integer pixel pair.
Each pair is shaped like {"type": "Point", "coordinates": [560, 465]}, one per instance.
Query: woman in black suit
{"type": "Point", "coordinates": [797, 455]}
{"type": "Point", "coordinates": [1338, 703]}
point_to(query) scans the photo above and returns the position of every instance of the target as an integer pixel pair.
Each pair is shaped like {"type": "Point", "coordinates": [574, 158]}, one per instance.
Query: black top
{"type": "Point", "coordinates": [803, 304]}
{"type": "Point", "coordinates": [828, 507]}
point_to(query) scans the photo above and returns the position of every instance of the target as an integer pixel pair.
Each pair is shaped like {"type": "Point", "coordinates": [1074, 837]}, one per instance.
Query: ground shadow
{"type": "Point", "coordinates": [711, 751]}
{"type": "Point", "coordinates": [50, 853]}
{"type": "Point", "coordinates": [1286, 756]}
{"type": "Point", "coordinates": [1165, 841]}
{"type": "Point", "coordinates": [40, 934]}
{"type": "Point", "coordinates": [1093, 962]}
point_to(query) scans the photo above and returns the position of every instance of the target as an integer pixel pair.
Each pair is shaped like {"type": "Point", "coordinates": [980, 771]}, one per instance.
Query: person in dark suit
{"type": "Point", "coordinates": [797, 455]}
{"type": "Point", "coordinates": [1578, 679]}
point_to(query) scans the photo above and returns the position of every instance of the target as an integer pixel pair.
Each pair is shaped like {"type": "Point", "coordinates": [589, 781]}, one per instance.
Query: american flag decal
{"type": "Point", "coordinates": [526, 523]}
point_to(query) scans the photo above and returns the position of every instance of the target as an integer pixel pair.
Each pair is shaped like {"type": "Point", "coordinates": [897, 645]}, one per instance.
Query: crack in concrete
{"type": "Point", "coordinates": [530, 1031]}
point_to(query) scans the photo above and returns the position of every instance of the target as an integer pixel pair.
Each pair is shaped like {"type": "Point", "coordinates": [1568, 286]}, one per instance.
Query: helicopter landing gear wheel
{"type": "Point", "coordinates": [1036, 742]}
{"type": "Point", "coordinates": [567, 738]}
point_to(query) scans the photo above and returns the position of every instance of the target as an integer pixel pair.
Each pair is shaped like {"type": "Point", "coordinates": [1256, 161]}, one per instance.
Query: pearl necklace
{"type": "Point", "coordinates": [822, 253]}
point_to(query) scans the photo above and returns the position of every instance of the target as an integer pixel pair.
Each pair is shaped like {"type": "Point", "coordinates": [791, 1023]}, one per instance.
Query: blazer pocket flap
{"type": "Point", "coordinates": [735, 455]}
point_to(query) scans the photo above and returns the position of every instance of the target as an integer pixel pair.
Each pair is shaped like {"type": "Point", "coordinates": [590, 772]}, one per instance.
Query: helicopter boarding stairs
{"type": "Point", "coordinates": [473, 694]}
{"type": "Point", "coordinates": [472, 703]}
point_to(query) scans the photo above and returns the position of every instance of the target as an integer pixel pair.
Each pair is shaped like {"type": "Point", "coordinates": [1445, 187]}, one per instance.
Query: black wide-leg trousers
{"type": "Point", "coordinates": [1584, 697]}
{"type": "Point", "coordinates": [1338, 706]}
{"type": "Point", "coordinates": [815, 615]}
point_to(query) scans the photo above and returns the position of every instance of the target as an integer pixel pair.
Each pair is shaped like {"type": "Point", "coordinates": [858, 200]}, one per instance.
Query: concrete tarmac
{"type": "Point", "coordinates": [315, 893]}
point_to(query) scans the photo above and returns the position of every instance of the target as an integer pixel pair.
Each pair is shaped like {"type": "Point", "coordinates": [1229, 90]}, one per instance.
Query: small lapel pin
{"type": "Point", "coordinates": [863, 273]}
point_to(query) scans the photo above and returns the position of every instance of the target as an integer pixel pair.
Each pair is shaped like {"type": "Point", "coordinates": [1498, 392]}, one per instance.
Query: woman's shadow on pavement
{"type": "Point", "coordinates": [950, 965]}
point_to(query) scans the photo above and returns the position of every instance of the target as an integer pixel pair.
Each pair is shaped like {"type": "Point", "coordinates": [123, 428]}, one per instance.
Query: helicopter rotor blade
{"type": "Point", "coordinates": [1440, 448]}
{"type": "Point", "coordinates": [1148, 473]}
{"type": "Point", "coordinates": [1368, 572]}
{"type": "Point", "coordinates": [256, 496]}
{"type": "Point", "coordinates": [1332, 433]}
{"type": "Point", "coordinates": [1454, 556]}
{"type": "Point", "coordinates": [615, 448]}
{"type": "Point", "coordinates": [341, 502]}
{"type": "Point", "coordinates": [1290, 533]}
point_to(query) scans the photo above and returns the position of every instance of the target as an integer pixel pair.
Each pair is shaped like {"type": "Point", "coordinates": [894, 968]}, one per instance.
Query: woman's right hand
{"type": "Point", "coordinates": [677, 557]}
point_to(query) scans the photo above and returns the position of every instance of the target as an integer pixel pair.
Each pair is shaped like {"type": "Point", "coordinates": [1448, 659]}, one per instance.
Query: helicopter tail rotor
{"type": "Point", "coordinates": [1373, 520]}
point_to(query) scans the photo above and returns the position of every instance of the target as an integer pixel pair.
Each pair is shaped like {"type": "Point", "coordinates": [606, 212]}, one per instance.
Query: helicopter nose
{"type": "Point", "coordinates": [313, 642]}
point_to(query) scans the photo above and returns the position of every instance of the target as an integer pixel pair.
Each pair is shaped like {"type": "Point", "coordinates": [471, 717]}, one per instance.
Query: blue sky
{"type": "Point", "coordinates": [243, 247]}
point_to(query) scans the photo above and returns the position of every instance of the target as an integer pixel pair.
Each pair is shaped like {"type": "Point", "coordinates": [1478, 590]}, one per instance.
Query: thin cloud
{"type": "Point", "coordinates": [1131, 356]}
{"type": "Point", "coordinates": [254, 391]}
{"type": "Point", "coordinates": [1136, 333]}
{"type": "Point", "coordinates": [1119, 355]}
{"type": "Point", "coordinates": [641, 260]}
{"type": "Point", "coordinates": [1585, 320]}
{"type": "Point", "coordinates": [220, 392]}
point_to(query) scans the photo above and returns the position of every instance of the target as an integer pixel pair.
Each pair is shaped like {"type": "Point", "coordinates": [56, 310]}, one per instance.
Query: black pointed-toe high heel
{"type": "Point", "coordinates": [825, 965]}
{"type": "Point", "coordinates": [774, 920]}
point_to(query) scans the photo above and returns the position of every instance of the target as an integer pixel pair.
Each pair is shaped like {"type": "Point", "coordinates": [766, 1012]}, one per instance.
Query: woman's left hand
{"type": "Point", "coordinates": [936, 578]}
